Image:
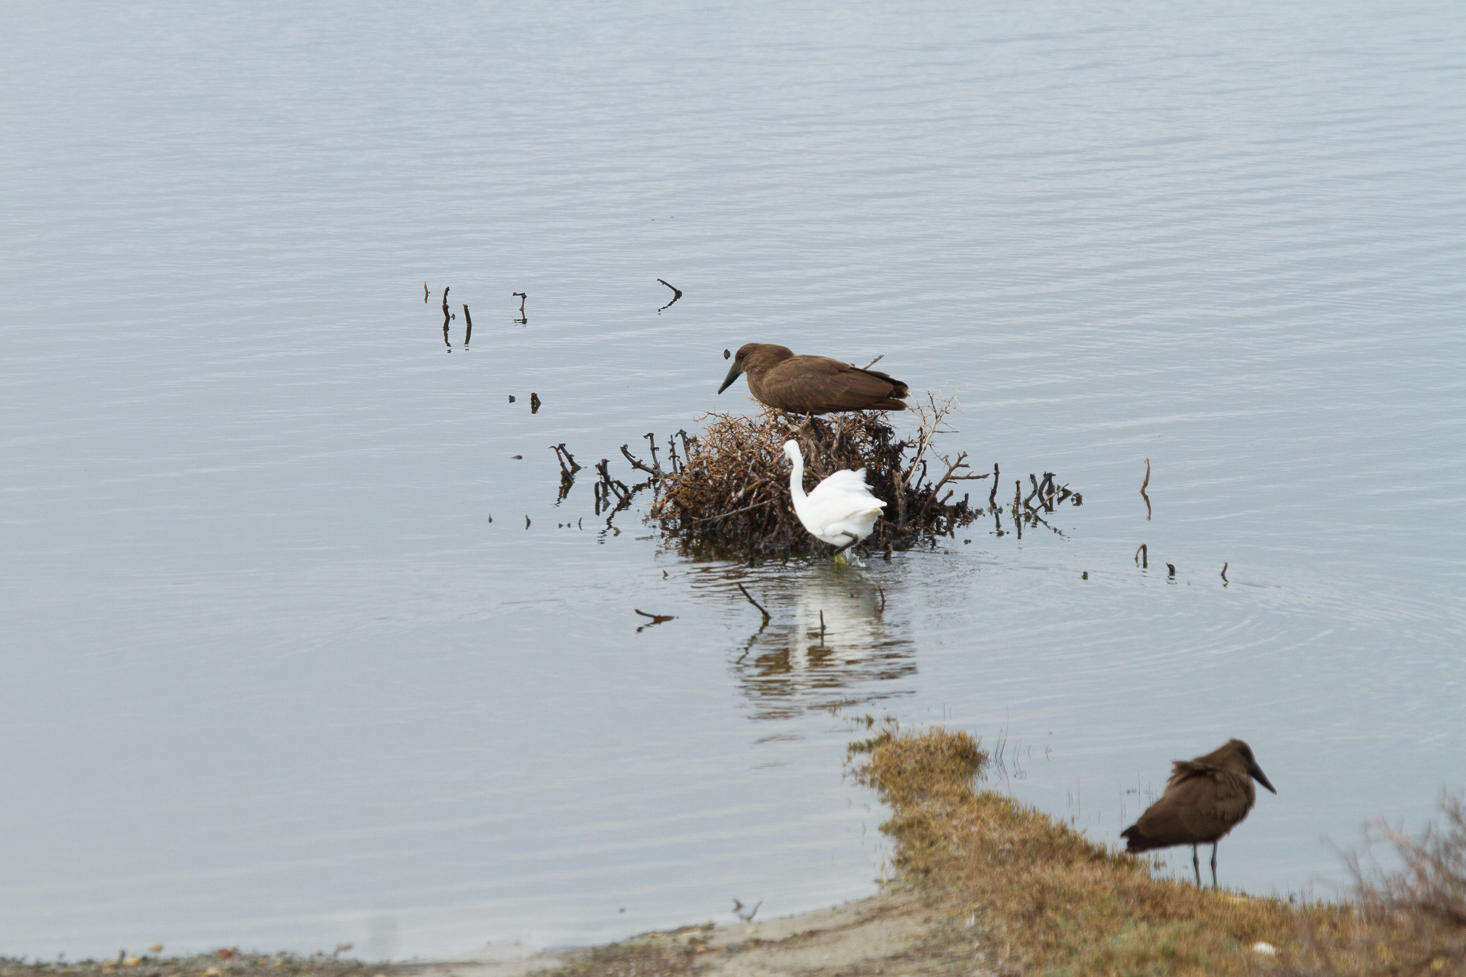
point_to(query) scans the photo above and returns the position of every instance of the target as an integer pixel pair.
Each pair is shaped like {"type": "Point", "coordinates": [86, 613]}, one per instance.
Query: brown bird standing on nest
{"type": "Point", "coordinates": [1204, 799]}
{"type": "Point", "coordinates": [812, 384]}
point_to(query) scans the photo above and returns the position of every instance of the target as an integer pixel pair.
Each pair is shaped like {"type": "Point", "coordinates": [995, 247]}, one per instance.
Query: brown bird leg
{"type": "Point", "coordinates": [1213, 865]}
{"type": "Point", "coordinates": [1196, 864]}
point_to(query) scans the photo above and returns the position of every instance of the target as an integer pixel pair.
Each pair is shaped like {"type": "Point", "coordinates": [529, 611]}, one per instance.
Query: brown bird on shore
{"type": "Point", "coordinates": [1204, 799]}
{"type": "Point", "coordinates": [812, 384]}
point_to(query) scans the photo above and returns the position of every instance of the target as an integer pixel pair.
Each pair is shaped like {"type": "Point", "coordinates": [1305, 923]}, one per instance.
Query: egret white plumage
{"type": "Point", "coordinates": [840, 511]}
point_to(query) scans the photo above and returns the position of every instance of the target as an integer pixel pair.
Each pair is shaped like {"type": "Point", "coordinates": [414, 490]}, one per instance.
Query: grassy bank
{"type": "Point", "coordinates": [1038, 898]}
{"type": "Point", "coordinates": [984, 885]}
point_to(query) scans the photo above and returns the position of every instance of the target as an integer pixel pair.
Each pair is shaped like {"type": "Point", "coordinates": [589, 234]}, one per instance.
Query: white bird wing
{"type": "Point", "coordinates": [847, 481]}
{"type": "Point", "coordinates": [843, 496]}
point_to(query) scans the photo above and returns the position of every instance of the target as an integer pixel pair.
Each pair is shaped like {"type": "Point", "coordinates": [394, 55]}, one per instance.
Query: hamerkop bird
{"type": "Point", "coordinates": [1204, 799]}
{"type": "Point", "coordinates": [812, 384]}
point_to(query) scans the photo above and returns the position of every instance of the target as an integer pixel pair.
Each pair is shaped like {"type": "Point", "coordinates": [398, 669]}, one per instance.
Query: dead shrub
{"type": "Point", "coordinates": [1410, 918]}
{"type": "Point", "coordinates": [730, 493]}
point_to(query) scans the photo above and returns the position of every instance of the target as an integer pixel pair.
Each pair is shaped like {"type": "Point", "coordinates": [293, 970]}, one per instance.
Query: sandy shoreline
{"type": "Point", "coordinates": [888, 934]}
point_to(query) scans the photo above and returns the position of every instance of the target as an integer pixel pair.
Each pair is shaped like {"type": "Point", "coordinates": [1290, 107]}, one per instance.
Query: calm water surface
{"type": "Point", "coordinates": [288, 668]}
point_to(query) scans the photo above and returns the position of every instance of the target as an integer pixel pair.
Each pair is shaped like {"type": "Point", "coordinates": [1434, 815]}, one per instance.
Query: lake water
{"type": "Point", "coordinates": [287, 667]}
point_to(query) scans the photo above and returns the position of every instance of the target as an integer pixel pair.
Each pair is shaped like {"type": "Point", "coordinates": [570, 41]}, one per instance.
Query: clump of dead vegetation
{"type": "Point", "coordinates": [1419, 902]}
{"type": "Point", "coordinates": [1038, 897]}
{"type": "Point", "coordinates": [727, 491]}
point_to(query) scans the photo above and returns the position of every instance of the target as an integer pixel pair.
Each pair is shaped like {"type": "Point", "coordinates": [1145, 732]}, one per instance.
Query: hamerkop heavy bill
{"type": "Point", "coordinates": [812, 384]}
{"type": "Point", "coordinates": [1204, 799]}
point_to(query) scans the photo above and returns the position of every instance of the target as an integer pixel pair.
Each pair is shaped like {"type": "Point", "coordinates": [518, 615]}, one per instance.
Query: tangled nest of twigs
{"type": "Point", "coordinates": [731, 491]}
{"type": "Point", "coordinates": [727, 492]}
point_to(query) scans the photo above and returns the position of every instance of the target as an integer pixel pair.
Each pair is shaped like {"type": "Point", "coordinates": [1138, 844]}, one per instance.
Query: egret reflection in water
{"type": "Point", "coordinates": [826, 644]}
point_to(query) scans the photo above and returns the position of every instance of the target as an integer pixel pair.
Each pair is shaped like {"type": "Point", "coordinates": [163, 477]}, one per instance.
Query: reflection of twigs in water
{"type": "Point", "coordinates": [1142, 557]}
{"type": "Point", "coordinates": [568, 467]}
{"type": "Point", "coordinates": [522, 317]}
{"type": "Point", "coordinates": [608, 487]}
{"type": "Point", "coordinates": [446, 317]}
{"type": "Point", "coordinates": [765, 623]}
{"type": "Point", "coordinates": [655, 619]}
{"type": "Point", "coordinates": [467, 326]}
{"type": "Point", "coordinates": [1142, 490]}
{"type": "Point", "coordinates": [676, 293]}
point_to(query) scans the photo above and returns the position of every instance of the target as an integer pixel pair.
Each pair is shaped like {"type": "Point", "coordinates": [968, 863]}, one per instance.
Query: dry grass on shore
{"type": "Point", "coordinates": [1048, 901]}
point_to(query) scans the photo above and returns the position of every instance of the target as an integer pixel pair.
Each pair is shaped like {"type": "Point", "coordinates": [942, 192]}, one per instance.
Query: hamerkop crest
{"type": "Point", "coordinates": [1204, 799]}
{"type": "Point", "coordinates": [812, 384]}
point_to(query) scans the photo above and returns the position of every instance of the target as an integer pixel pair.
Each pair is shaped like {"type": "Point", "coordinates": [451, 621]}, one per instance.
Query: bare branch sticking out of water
{"type": "Point", "coordinates": [743, 913]}
{"type": "Point", "coordinates": [1142, 557]}
{"type": "Point", "coordinates": [676, 294]}
{"type": "Point", "coordinates": [654, 470]}
{"type": "Point", "coordinates": [522, 317]}
{"type": "Point", "coordinates": [654, 619]}
{"type": "Point", "coordinates": [749, 598]}
{"type": "Point", "coordinates": [568, 464]}
{"type": "Point", "coordinates": [467, 326]}
{"type": "Point", "coordinates": [1143, 484]}
{"type": "Point", "coordinates": [1225, 581]}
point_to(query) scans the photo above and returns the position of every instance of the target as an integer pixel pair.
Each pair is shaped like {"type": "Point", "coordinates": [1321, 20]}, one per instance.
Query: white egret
{"type": "Point", "coordinates": [840, 511]}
